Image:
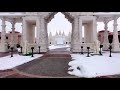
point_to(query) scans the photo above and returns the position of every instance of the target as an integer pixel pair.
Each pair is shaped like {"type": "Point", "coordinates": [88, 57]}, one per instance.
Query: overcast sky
{"type": "Point", "coordinates": [60, 23]}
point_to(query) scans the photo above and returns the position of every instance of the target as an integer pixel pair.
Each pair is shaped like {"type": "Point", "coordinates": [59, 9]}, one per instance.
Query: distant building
{"type": "Point", "coordinates": [110, 36]}
{"type": "Point", "coordinates": [59, 38]}
{"type": "Point", "coordinates": [17, 38]}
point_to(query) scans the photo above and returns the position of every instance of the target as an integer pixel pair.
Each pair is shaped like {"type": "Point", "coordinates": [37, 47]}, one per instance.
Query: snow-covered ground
{"type": "Point", "coordinates": [95, 65]}
{"type": "Point", "coordinates": [58, 46]}
{"type": "Point", "coordinates": [11, 62]}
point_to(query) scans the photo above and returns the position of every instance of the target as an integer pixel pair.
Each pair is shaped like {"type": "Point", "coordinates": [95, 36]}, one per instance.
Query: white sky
{"type": "Point", "coordinates": [60, 23]}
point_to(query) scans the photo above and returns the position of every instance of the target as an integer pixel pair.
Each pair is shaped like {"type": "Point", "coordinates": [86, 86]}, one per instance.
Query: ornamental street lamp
{"type": "Point", "coordinates": [110, 47]}
{"type": "Point", "coordinates": [11, 51]}
{"type": "Point", "coordinates": [39, 49]}
{"type": "Point", "coordinates": [81, 49]}
{"type": "Point", "coordinates": [32, 48]}
{"type": "Point", "coordinates": [101, 46]}
{"type": "Point", "coordinates": [88, 48]}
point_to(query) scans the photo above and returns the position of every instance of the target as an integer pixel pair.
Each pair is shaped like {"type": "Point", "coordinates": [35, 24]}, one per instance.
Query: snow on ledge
{"type": "Point", "coordinates": [11, 62]}
{"type": "Point", "coordinates": [58, 46]}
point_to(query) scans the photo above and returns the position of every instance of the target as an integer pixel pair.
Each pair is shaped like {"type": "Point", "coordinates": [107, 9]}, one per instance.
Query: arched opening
{"type": "Point", "coordinates": [74, 40]}
{"type": "Point", "coordinates": [59, 28]}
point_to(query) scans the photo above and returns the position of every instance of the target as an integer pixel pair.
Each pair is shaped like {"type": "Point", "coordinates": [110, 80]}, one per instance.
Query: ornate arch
{"type": "Point", "coordinates": [50, 15]}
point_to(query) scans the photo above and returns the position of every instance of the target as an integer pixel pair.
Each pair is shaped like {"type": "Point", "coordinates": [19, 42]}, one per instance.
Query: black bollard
{"type": "Point", "coordinates": [100, 49]}
{"type": "Point", "coordinates": [32, 51]}
{"type": "Point", "coordinates": [88, 52]}
{"type": "Point", "coordinates": [39, 49]}
{"type": "Point", "coordinates": [11, 51]}
{"type": "Point", "coordinates": [81, 49]}
{"type": "Point", "coordinates": [21, 49]}
{"type": "Point", "coordinates": [110, 47]}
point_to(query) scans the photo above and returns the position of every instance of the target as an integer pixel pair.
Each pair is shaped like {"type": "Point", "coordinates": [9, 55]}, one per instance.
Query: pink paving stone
{"type": "Point", "coordinates": [6, 54]}
{"type": "Point", "coordinates": [53, 54]}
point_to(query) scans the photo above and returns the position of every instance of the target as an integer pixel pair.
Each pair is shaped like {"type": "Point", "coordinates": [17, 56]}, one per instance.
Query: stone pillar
{"type": "Point", "coordinates": [94, 31]}
{"type": "Point", "coordinates": [41, 34]}
{"type": "Point", "coordinates": [3, 33]}
{"type": "Point", "coordinates": [106, 41]}
{"type": "Point", "coordinates": [24, 31]}
{"type": "Point", "coordinates": [21, 42]}
{"type": "Point", "coordinates": [76, 35]}
{"type": "Point", "coordinates": [116, 47]}
{"type": "Point", "coordinates": [46, 34]}
{"type": "Point", "coordinates": [24, 37]}
{"type": "Point", "coordinates": [12, 44]}
{"type": "Point", "coordinates": [80, 30]}
{"type": "Point", "coordinates": [3, 44]}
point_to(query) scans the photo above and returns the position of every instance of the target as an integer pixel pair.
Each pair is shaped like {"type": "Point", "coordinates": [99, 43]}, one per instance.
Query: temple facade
{"type": "Point", "coordinates": [59, 38]}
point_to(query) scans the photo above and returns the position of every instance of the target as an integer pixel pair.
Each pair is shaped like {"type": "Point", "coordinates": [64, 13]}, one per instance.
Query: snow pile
{"type": "Point", "coordinates": [93, 66]}
{"type": "Point", "coordinates": [58, 46]}
{"type": "Point", "coordinates": [11, 62]}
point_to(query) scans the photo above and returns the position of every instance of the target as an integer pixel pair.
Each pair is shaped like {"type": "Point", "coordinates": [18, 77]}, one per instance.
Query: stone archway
{"type": "Point", "coordinates": [76, 18]}
{"type": "Point", "coordinates": [60, 38]}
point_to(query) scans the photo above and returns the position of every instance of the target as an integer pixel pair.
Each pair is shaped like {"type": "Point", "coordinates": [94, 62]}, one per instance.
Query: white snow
{"type": "Point", "coordinates": [11, 62]}
{"type": "Point", "coordinates": [95, 65]}
{"type": "Point", "coordinates": [58, 46]}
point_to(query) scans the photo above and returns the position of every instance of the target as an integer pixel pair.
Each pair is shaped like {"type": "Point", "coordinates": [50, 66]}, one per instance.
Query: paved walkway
{"type": "Point", "coordinates": [53, 64]}
{"type": "Point", "coordinates": [6, 54]}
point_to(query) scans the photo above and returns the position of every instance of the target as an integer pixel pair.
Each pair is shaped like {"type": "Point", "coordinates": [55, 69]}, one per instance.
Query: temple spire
{"type": "Point", "coordinates": [56, 33]}
{"type": "Point", "coordinates": [59, 32]}
{"type": "Point", "coordinates": [63, 33]}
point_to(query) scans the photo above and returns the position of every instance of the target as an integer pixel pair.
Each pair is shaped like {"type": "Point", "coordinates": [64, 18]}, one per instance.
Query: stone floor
{"type": "Point", "coordinates": [6, 54]}
{"type": "Point", "coordinates": [53, 64]}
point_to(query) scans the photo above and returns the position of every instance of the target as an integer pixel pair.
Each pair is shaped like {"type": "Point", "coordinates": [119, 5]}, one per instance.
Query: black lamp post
{"type": "Point", "coordinates": [11, 51]}
{"type": "Point", "coordinates": [100, 49]}
{"type": "Point", "coordinates": [88, 51]}
{"type": "Point", "coordinates": [8, 46]}
{"type": "Point", "coordinates": [39, 49]}
{"type": "Point", "coordinates": [81, 49]}
{"type": "Point", "coordinates": [21, 49]}
{"type": "Point", "coordinates": [32, 48]}
{"type": "Point", "coordinates": [110, 47]}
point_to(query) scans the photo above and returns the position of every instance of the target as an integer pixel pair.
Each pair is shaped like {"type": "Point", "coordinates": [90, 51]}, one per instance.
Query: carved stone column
{"type": "Point", "coordinates": [41, 34]}
{"type": "Point", "coordinates": [76, 35]}
{"type": "Point", "coordinates": [24, 36]}
{"type": "Point", "coordinates": [3, 44]}
{"type": "Point", "coordinates": [116, 47]}
{"type": "Point", "coordinates": [21, 42]}
{"type": "Point", "coordinates": [80, 30]}
{"type": "Point", "coordinates": [12, 43]}
{"type": "Point", "coordinates": [106, 41]}
{"type": "Point", "coordinates": [3, 33]}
